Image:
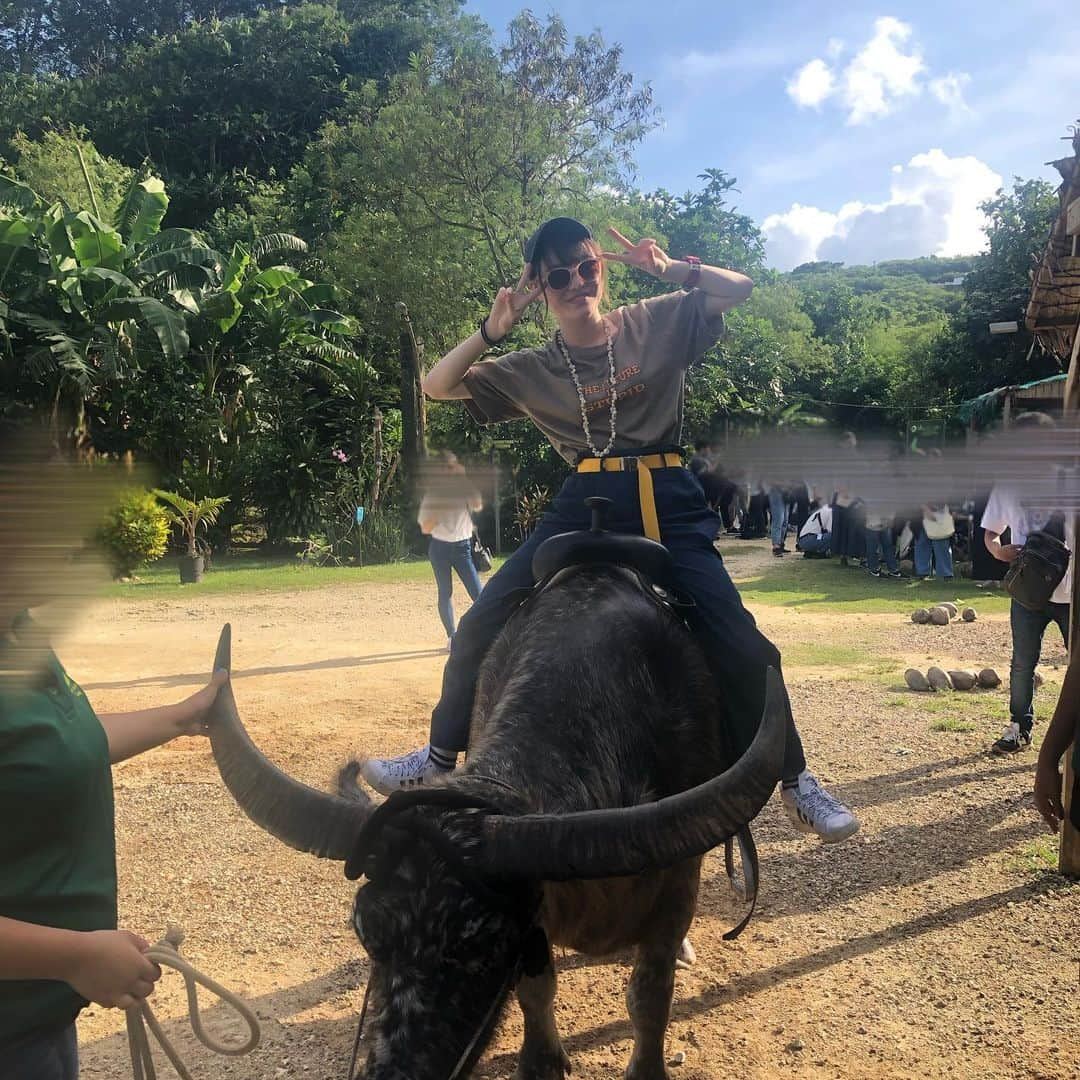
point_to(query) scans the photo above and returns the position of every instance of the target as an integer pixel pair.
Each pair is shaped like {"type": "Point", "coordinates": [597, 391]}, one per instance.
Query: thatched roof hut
{"type": "Point", "coordinates": [1053, 313]}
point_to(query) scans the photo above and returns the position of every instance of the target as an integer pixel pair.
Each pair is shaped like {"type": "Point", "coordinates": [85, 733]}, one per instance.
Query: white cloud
{"type": "Point", "coordinates": [886, 70]}
{"type": "Point", "coordinates": [949, 90]}
{"type": "Point", "coordinates": [811, 85]}
{"type": "Point", "coordinates": [932, 209]}
{"type": "Point", "coordinates": [695, 65]}
{"type": "Point", "coordinates": [881, 72]}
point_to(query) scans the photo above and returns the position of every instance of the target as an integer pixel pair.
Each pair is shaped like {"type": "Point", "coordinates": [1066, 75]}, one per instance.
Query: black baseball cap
{"type": "Point", "coordinates": [568, 230]}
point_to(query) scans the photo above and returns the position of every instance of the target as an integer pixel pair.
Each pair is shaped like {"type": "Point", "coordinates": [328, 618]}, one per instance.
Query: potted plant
{"type": "Point", "coordinates": [189, 515]}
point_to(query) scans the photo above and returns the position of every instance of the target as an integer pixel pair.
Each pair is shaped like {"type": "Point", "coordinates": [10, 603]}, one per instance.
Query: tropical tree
{"type": "Point", "coordinates": [72, 36]}
{"type": "Point", "coordinates": [968, 358]}
{"type": "Point", "coordinates": [63, 167]}
{"type": "Point", "coordinates": [82, 297]}
{"type": "Point", "coordinates": [431, 194]}
{"type": "Point", "coordinates": [219, 97]}
{"type": "Point", "coordinates": [190, 515]}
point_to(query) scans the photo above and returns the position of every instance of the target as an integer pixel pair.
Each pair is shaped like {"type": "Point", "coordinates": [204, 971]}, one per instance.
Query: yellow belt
{"type": "Point", "coordinates": [644, 466]}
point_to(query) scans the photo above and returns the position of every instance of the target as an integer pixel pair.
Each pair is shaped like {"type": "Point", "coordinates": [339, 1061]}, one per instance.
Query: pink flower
{"type": "Point", "coordinates": [340, 455]}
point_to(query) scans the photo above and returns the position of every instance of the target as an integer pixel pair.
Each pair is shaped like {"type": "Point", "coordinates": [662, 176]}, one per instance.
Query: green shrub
{"type": "Point", "coordinates": [383, 539]}
{"type": "Point", "coordinates": [135, 531]}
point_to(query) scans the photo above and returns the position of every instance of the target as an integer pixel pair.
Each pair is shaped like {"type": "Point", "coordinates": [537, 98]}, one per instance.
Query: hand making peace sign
{"type": "Point", "coordinates": [510, 303]}
{"type": "Point", "coordinates": [645, 254]}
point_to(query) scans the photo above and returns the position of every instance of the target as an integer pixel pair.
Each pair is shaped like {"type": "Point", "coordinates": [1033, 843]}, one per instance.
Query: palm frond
{"type": "Point", "coordinates": [19, 196]}
{"type": "Point", "coordinates": [326, 350]}
{"type": "Point", "coordinates": [277, 244]}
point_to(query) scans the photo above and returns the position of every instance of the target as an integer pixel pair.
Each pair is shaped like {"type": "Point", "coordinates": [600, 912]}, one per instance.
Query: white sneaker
{"type": "Point", "coordinates": [812, 809]}
{"type": "Point", "coordinates": [388, 775]}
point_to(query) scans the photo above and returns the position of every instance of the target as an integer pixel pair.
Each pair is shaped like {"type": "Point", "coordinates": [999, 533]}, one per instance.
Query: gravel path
{"type": "Point", "coordinates": [935, 943]}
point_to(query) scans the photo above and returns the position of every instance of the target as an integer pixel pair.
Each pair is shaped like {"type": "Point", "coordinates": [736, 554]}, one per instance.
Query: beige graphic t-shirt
{"type": "Point", "coordinates": [656, 341]}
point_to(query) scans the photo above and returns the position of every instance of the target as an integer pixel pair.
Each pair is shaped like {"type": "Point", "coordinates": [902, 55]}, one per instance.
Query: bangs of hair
{"type": "Point", "coordinates": [565, 254]}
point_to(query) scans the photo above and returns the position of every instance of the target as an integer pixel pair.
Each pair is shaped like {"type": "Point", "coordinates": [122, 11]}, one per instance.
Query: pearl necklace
{"type": "Point", "coordinates": [561, 343]}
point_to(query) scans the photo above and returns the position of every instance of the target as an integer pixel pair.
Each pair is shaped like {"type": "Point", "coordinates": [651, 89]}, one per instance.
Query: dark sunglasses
{"type": "Point", "coordinates": [561, 276]}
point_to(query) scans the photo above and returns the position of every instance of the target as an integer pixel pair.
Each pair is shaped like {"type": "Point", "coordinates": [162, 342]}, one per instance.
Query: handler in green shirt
{"type": "Point", "coordinates": [59, 945]}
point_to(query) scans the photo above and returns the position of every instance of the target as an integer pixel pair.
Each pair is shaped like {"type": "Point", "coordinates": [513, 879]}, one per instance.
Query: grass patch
{"type": "Point", "coordinates": [1039, 855]}
{"type": "Point", "coordinates": [791, 583]}
{"type": "Point", "coordinates": [857, 664]}
{"type": "Point", "coordinates": [254, 573]}
{"type": "Point", "coordinates": [953, 710]}
{"type": "Point", "coordinates": [811, 582]}
{"type": "Point", "coordinates": [970, 704]}
{"type": "Point", "coordinates": [952, 723]}
{"type": "Point", "coordinates": [819, 654]}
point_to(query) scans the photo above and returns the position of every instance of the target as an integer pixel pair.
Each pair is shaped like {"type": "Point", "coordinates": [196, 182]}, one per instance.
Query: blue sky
{"type": "Point", "coordinates": [857, 131]}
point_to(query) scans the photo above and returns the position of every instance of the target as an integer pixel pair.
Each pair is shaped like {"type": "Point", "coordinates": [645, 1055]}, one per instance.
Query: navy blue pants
{"type": "Point", "coordinates": [737, 651]}
{"type": "Point", "coordinates": [1028, 628]}
{"type": "Point", "coordinates": [881, 542]}
{"type": "Point", "coordinates": [51, 1056]}
{"type": "Point", "coordinates": [447, 556]}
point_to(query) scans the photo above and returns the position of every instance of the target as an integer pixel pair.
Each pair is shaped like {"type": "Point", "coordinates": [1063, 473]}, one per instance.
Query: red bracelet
{"type": "Point", "coordinates": [695, 272]}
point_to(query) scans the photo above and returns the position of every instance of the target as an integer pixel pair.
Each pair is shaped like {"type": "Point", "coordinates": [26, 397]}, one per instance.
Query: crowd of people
{"type": "Point", "coordinates": [835, 519]}
{"type": "Point", "coordinates": [882, 507]}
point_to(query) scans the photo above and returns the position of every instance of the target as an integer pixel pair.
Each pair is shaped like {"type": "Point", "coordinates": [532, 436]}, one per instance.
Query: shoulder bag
{"type": "Point", "coordinates": [1034, 575]}
{"type": "Point", "coordinates": [940, 525]}
{"type": "Point", "coordinates": [481, 556]}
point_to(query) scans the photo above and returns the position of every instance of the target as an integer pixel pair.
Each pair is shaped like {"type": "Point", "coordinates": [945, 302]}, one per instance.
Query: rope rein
{"type": "Point", "coordinates": [139, 1018]}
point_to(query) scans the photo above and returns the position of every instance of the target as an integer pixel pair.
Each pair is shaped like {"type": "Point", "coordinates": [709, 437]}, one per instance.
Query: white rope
{"type": "Point", "coordinates": [141, 1017]}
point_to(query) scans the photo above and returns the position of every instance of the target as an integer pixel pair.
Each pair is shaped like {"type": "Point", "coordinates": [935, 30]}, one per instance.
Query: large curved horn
{"type": "Point", "coordinates": [618, 843]}
{"type": "Point", "coordinates": [300, 816]}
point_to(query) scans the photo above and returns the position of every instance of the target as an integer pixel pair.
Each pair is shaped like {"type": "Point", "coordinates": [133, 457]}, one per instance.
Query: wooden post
{"type": "Point", "coordinates": [496, 499]}
{"type": "Point", "coordinates": [413, 411]}
{"type": "Point", "coordinates": [376, 482]}
{"type": "Point", "coordinates": [1069, 850]}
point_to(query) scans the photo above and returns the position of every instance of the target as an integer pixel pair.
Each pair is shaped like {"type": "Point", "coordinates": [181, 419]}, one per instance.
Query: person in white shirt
{"type": "Point", "coordinates": [816, 534]}
{"type": "Point", "coordinates": [1006, 510]}
{"type": "Point", "coordinates": [445, 515]}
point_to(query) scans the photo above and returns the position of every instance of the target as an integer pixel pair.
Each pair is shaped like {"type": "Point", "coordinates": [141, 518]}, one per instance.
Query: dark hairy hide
{"type": "Point", "coordinates": [593, 697]}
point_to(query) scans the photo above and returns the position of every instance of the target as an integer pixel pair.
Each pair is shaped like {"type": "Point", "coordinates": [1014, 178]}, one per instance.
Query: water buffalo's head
{"type": "Point", "coordinates": [442, 963]}
{"type": "Point", "coordinates": [452, 895]}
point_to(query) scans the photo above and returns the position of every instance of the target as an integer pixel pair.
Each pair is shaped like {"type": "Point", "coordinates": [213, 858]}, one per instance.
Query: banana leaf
{"type": "Point", "coordinates": [140, 215]}
{"type": "Point", "coordinates": [168, 326]}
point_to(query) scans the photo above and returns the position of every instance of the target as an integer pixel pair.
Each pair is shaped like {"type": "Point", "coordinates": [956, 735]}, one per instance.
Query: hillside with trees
{"type": "Point", "coordinates": [213, 217]}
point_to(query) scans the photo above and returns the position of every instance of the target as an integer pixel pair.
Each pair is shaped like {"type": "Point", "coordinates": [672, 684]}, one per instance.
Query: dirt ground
{"type": "Point", "coordinates": [934, 943]}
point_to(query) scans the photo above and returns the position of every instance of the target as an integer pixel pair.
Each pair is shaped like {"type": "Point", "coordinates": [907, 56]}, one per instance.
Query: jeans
{"type": "Point", "coordinates": [52, 1056]}
{"type": "Point", "coordinates": [878, 541]}
{"type": "Point", "coordinates": [1028, 628]}
{"type": "Point", "coordinates": [456, 555]}
{"type": "Point", "coordinates": [814, 545]}
{"type": "Point", "coordinates": [942, 554]}
{"type": "Point", "coordinates": [778, 515]}
{"type": "Point", "coordinates": [737, 652]}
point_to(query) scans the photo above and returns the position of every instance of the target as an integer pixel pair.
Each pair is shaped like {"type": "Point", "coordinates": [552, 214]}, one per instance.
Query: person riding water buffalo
{"type": "Point", "coordinates": [607, 390]}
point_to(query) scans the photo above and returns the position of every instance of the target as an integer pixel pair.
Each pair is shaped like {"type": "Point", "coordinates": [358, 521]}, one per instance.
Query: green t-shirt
{"type": "Point", "coordinates": [57, 848]}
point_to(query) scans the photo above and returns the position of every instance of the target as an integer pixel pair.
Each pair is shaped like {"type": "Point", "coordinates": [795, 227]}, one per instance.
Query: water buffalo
{"type": "Point", "coordinates": [594, 784]}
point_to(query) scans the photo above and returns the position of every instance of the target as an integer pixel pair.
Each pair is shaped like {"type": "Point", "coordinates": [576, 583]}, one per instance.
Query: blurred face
{"type": "Point", "coordinates": [48, 509]}
{"type": "Point", "coordinates": [573, 281]}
